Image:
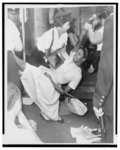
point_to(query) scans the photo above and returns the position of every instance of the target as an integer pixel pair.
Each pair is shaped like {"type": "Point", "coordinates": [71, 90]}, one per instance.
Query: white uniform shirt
{"type": "Point", "coordinates": [68, 72]}
{"type": "Point", "coordinates": [99, 46]}
{"type": "Point", "coordinates": [12, 36]}
{"type": "Point", "coordinates": [45, 41]}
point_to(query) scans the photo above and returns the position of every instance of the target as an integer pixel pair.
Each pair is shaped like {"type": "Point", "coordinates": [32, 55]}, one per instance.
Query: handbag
{"type": "Point", "coordinates": [75, 106]}
{"type": "Point", "coordinates": [53, 58]}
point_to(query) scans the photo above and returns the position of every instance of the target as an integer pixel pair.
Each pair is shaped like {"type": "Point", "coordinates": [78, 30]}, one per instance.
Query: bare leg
{"type": "Point", "coordinates": [20, 63]}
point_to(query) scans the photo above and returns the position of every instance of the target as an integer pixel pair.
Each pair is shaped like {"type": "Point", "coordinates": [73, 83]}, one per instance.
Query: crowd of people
{"type": "Point", "coordinates": [43, 84]}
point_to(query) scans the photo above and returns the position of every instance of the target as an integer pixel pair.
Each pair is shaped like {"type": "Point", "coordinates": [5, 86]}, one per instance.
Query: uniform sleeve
{"type": "Point", "coordinates": [105, 71]}
{"type": "Point", "coordinates": [44, 41]}
{"type": "Point", "coordinates": [100, 91]}
{"type": "Point", "coordinates": [75, 80]}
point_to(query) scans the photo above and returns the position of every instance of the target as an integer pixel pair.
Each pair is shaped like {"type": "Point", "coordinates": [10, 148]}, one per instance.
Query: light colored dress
{"type": "Point", "coordinates": [42, 91]}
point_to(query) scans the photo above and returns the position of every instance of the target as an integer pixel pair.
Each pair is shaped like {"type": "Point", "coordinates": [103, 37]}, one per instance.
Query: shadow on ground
{"type": "Point", "coordinates": [60, 133]}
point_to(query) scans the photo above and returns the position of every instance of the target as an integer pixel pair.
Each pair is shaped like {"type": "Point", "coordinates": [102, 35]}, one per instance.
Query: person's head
{"type": "Point", "coordinates": [103, 12]}
{"type": "Point", "coordinates": [80, 56]}
{"type": "Point", "coordinates": [98, 23]}
{"type": "Point", "coordinates": [14, 15]}
{"type": "Point", "coordinates": [13, 100]}
{"type": "Point", "coordinates": [62, 19]}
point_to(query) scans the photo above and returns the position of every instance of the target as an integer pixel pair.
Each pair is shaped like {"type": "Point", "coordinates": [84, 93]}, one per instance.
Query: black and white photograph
{"type": "Point", "coordinates": [59, 63]}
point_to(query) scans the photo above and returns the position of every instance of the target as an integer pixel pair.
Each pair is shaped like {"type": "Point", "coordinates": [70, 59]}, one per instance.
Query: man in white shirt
{"type": "Point", "coordinates": [95, 36]}
{"type": "Point", "coordinates": [12, 43]}
{"type": "Point", "coordinates": [95, 30]}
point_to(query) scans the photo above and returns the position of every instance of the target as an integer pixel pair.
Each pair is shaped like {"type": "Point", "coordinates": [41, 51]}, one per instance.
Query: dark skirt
{"type": "Point", "coordinates": [37, 58]}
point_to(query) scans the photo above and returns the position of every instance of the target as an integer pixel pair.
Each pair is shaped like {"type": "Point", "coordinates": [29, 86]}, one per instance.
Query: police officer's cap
{"type": "Point", "coordinates": [104, 11]}
{"type": "Point", "coordinates": [100, 9]}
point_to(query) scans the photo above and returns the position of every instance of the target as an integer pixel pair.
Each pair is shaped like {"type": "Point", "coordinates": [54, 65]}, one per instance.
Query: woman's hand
{"type": "Point", "coordinates": [87, 26]}
{"type": "Point", "coordinates": [59, 89]}
{"type": "Point", "coordinates": [98, 112]}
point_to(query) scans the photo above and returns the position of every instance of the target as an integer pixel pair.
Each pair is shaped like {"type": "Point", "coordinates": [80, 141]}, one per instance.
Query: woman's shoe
{"type": "Point", "coordinates": [61, 120]}
{"type": "Point", "coordinates": [48, 121]}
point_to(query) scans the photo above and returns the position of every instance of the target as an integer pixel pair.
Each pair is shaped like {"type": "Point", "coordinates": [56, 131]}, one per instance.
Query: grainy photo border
{"type": "Point", "coordinates": [4, 74]}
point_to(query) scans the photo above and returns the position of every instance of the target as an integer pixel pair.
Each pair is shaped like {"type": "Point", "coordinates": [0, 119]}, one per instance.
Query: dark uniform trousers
{"type": "Point", "coordinates": [103, 96]}
{"type": "Point", "coordinates": [12, 72]}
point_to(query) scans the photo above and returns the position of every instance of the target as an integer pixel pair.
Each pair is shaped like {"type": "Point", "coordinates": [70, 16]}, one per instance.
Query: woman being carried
{"type": "Point", "coordinates": [43, 85]}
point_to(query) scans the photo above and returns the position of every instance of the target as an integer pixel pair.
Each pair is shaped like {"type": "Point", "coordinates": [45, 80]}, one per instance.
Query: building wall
{"type": "Point", "coordinates": [41, 21]}
{"type": "Point", "coordinates": [29, 32]}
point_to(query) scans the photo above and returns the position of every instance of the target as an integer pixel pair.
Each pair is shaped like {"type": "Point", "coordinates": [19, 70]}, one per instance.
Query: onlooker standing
{"type": "Point", "coordinates": [17, 130]}
{"type": "Point", "coordinates": [93, 30]}
{"type": "Point", "coordinates": [12, 43]}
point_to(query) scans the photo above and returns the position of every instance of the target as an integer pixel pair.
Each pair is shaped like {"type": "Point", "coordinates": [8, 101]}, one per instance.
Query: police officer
{"type": "Point", "coordinates": [103, 96]}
